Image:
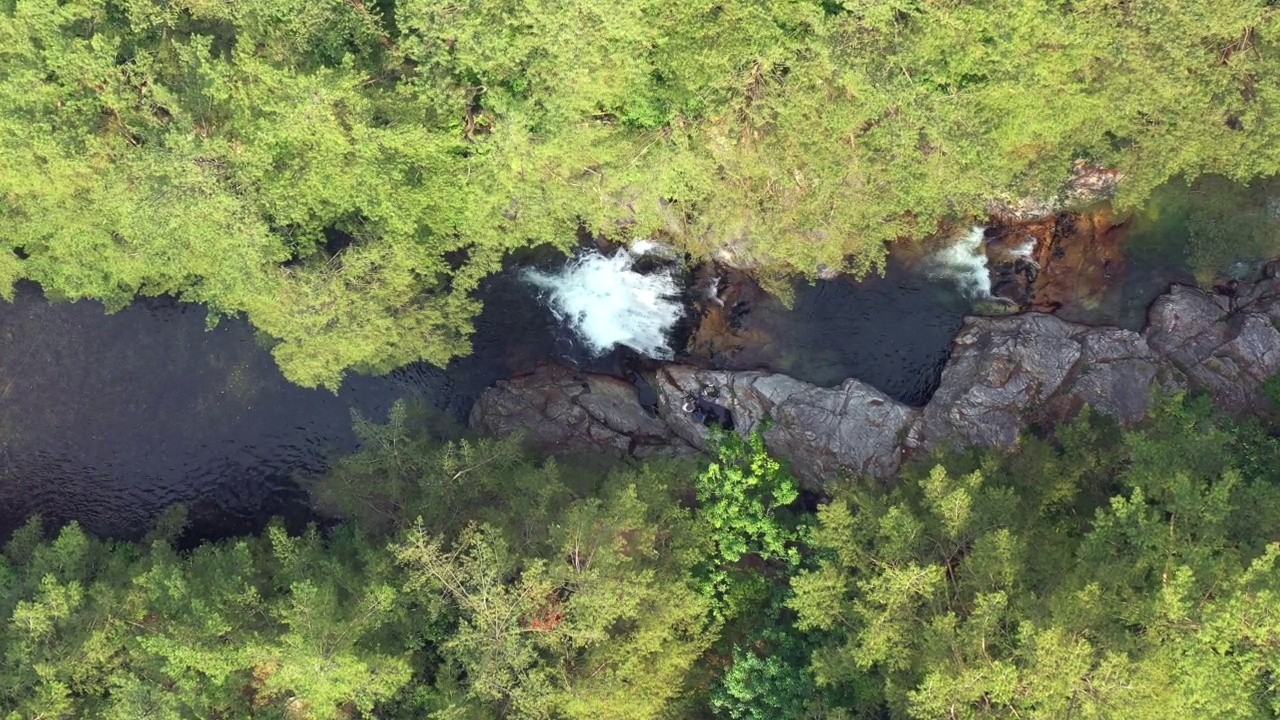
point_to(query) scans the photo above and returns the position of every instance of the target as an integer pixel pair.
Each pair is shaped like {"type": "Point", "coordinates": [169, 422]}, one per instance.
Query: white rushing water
{"type": "Point", "coordinates": [965, 262]}
{"type": "Point", "coordinates": [608, 303]}
{"type": "Point", "coordinates": [1026, 250]}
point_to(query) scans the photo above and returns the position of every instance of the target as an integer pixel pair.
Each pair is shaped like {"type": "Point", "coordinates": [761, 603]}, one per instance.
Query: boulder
{"type": "Point", "coordinates": [1007, 373]}
{"type": "Point", "coordinates": [1116, 373]}
{"type": "Point", "coordinates": [562, 411]}
{"type": "Point", "coordinates": [1226, 347]}
{"type": "Point", "coordinates": [998, 368]}
{"type": "Point", "coordinates": [1004, 374]}
{"type": "Point", "coordinates": [820, 431]}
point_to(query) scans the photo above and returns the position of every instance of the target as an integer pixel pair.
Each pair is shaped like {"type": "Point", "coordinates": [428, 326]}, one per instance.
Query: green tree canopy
{"type": "Point", "coordinates": [343, 173]}
{"type": "Point", "coordinates": [1004, 591]}
{"type": "Point", "coordinates": [1092, 574]}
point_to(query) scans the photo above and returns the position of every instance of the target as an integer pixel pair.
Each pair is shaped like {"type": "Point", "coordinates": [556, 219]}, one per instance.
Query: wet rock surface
{"type": "Point", "coordinates": [1004, 375]}
{"type": "Point", "coordinates": [563, 411]}
{"type": "Point", "coordinates": [724, 299]}
{"type": "Point", "coordinates": [1069, 263]}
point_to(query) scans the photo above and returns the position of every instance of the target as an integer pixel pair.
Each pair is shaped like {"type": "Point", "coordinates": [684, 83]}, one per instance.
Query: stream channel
{"type": "Point", "coordinates": [109, 419]}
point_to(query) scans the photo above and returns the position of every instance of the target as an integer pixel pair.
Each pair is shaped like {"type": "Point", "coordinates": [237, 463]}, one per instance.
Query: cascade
{"type": "Point", "coordinates": [607, 302]}
{"type": "Point", "coordinates": [965, 263]}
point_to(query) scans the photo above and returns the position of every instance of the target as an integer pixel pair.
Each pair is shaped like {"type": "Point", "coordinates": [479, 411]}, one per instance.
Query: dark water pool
{"type": "Point", "coordinates": [892, 332]}
{"type": "Point", "coordinates": [108, 419]}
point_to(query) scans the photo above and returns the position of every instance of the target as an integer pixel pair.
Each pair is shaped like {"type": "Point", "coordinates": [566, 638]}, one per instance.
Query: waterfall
{"type": "Point", "coordinates": [608, 303]}
{"type": "Point", "coordinates": [1025, 250]}
{"type": "Point", "coordinates": [965, 262]}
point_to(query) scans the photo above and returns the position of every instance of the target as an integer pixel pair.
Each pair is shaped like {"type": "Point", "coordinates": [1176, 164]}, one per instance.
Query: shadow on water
{"type": "Point", "coordinates": [1209, 230]}
{"type": "Point", "coordinates": [109, 419]}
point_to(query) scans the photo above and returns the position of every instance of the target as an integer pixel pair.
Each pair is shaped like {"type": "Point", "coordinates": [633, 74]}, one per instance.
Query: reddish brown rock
{"type": "Point", "coordinates": [1070, 264]}
{"type": "Point", "coordinates": [722, 296]}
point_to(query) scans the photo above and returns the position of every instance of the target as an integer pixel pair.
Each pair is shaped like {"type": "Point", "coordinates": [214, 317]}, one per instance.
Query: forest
{"type": "Point", "coordinates": [344, 173]}
{"type": "Point", "coordinates": [1094, 573]}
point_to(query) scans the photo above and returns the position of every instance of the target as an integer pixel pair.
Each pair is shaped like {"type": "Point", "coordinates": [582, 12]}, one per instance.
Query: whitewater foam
{"type": "Point", "coordinates": [607, 303]}
{"type": "Point", "coordinates": [642, 247]}
{"type": "Point", "coordinates": [965, 263]}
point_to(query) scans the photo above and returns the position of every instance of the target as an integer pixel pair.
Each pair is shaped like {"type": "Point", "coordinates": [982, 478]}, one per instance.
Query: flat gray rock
{"type": "Point", "coordinates": [998, 368]}
{"type": "Point", "coordinates": [1004, 374]}
{"type": "Point", "coordinates": [1226, 346]}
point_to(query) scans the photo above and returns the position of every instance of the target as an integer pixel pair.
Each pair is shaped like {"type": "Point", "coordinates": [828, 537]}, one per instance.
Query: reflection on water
{"type": "Point", "coordinates": [892, 332]}
{"type": "Point", "coordinates": [1211, 229]}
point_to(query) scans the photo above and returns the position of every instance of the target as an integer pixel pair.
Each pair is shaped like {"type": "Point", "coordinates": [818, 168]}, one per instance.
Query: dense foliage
{"type": "Point", "coordinates": [1093, 574]}
{"type": "Point", "coordinates": [344, 172]}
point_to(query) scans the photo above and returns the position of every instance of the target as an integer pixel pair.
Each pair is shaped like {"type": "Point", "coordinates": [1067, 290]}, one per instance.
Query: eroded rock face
{"type": "Point", "coordinates": [1116, 374]}
{"type": "Point", "coordinates": [1068, 263]}
{"type": "Point", "coordinates": [1227, 345]}
{"type": "Point", "coordinates": [819, 430]}
{"type": "Point", "coordinates": [1005, 373]}
{"type": "Point", "coordinates": [998, 367]}
{"type": "Point", "coordinates": [562, 411]}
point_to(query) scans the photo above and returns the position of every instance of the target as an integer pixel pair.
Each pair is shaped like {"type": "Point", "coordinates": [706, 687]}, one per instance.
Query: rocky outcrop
{"type": "Point", "coordinates": [1227, 345]}
{"type": "Point", "coordinates": [562, 411]}
{"type": "Point", "coordinates": [1087, 184]}
{"type": "Point", "coordinates": [1004, 374]}
{"type": "Point", "coordinates": [1070, 263]}
{"type": "Point", "coordinates": [820, 430]}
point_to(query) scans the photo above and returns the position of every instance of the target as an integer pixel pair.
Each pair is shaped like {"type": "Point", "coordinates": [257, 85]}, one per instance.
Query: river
{"type": "Point", "coordinates": [109, 419]}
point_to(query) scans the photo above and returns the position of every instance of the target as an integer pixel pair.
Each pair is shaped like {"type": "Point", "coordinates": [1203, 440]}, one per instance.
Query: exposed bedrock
{"type": "Point", "coordinates": [821, 431]}
{"type": "Point", "coordinates": [562, 411]}
{"type": "Point", "coordinates": [1004, 374]}
{"type": "Point", "coordinates": [1225, 344]}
